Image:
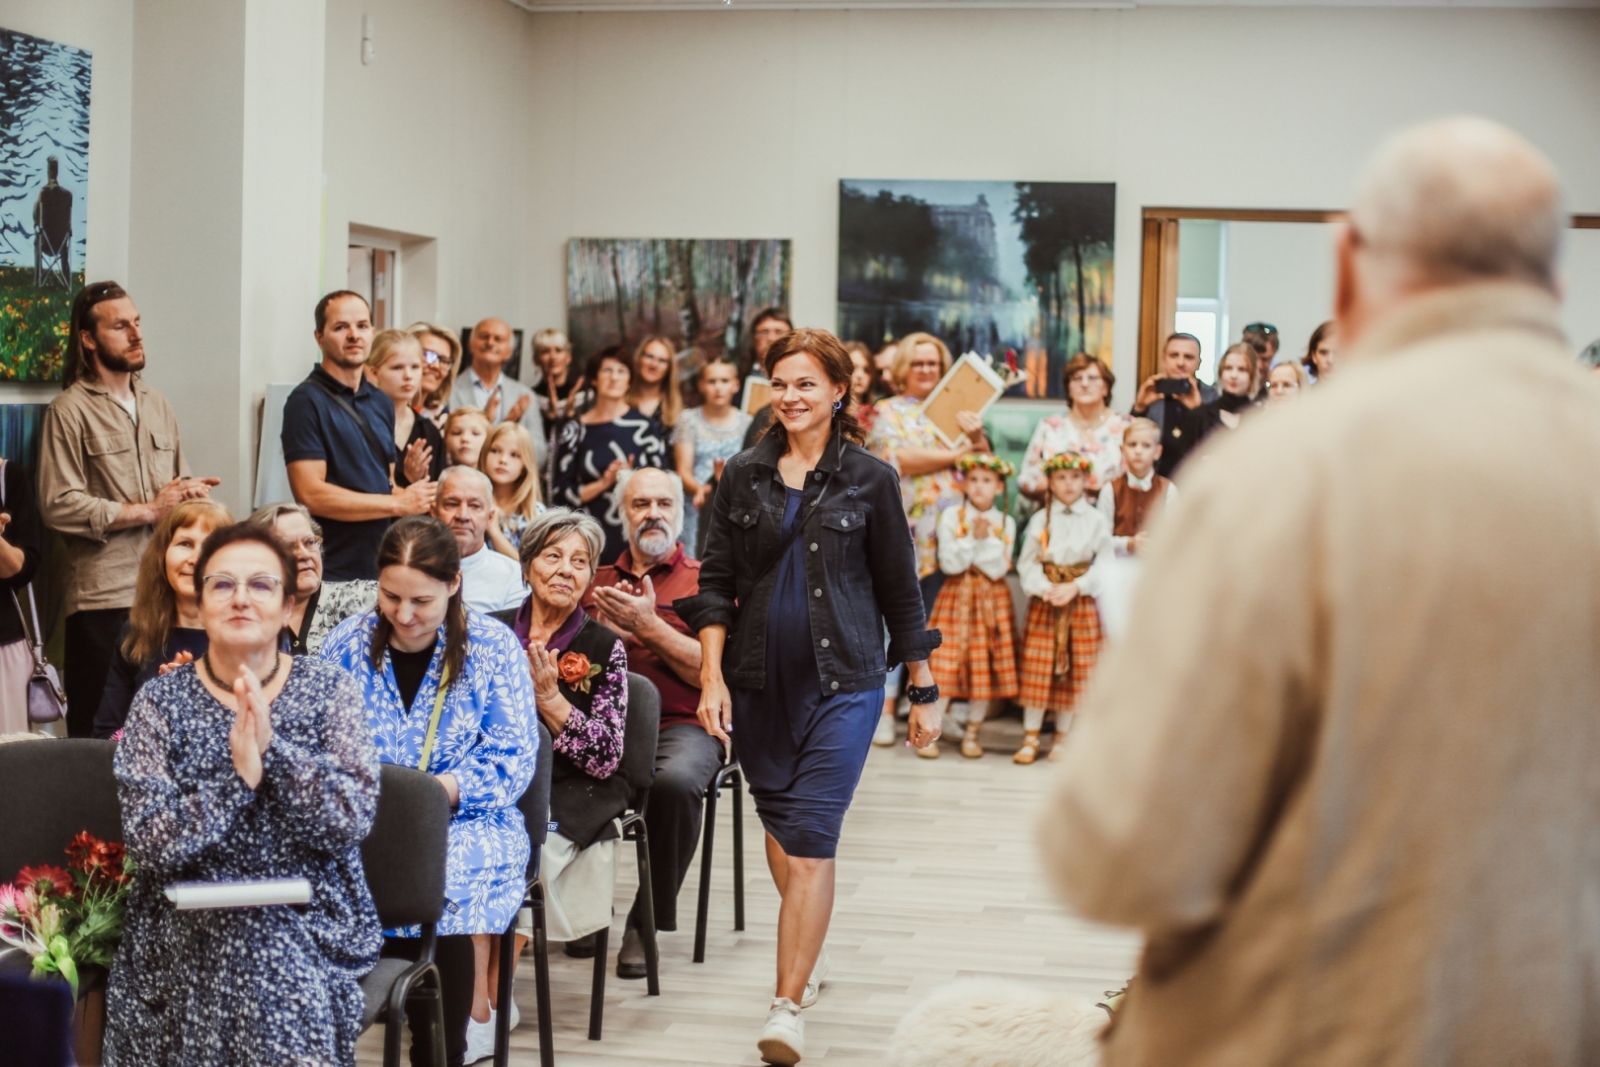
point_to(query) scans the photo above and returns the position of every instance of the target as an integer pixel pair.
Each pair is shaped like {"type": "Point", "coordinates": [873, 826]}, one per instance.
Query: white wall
{"type": "Point", "coordinates": [740, 124]}
{"type": "Point", "coordinates": [1280, 273]}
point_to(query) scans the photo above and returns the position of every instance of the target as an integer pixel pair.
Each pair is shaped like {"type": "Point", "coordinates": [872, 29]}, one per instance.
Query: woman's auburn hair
{"type": "Point", "coordinates": [1082, 362]}
{"type": "Point", "coordinates": [155, 603]}
{"type": "Point", "coordinates": [525, 497]}
{"type": "Point", "coordinates": [440, 396]}
{"type": "Point", "coordinates": [671, 394]}
{"type": "Point", "coordinates": [424, 544]}
{"type": "Point", "coordinates": [834, 360]}
{"type": "Point", "coordinates": [906, 348]}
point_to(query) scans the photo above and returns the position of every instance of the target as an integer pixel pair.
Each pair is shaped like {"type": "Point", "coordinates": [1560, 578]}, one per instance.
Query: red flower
{"type": "Point", "coordinates": [45, 881]}
{"type": "Point", "coordinates": [101, 860]}
{"type": "Point", "coordinates": [573, 667]}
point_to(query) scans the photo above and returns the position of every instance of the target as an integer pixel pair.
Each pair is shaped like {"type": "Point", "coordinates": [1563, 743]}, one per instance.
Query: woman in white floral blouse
{"type": "Point", "coordinates": [1088, 427]}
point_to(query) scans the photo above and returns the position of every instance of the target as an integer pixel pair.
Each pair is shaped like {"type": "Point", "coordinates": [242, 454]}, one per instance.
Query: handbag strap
{"type": "Point", "coordinates": [433, 720]}
{"type": "Point", "coordinates": [386, 456]}
{"type": "Point", "coordinates": [36, 644]}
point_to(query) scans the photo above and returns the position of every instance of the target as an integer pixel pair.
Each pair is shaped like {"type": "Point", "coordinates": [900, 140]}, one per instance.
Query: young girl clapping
{"type": "Point", "coordinates": [508, 461]}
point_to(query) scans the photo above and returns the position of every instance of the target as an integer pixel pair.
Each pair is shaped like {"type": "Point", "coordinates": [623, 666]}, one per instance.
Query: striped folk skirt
{"type": "Point", "coordinates": [1059, 653]}
{"type": "Point", "coordinates": [978, 658]}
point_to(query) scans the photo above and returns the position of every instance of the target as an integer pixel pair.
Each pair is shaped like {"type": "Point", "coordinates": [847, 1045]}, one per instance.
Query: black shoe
{"type": "Point", "coordinates": [583, 948]}
{"type": "Point", "coordinates": [630, 961]}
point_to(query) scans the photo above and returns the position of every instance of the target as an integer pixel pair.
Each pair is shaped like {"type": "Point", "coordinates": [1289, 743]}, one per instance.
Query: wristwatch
{"type": "Point", "coordinates": [922, 694]}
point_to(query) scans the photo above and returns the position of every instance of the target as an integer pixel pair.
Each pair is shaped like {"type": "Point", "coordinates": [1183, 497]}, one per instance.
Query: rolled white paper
{"type": "Point", "coordinates": [259, 893]}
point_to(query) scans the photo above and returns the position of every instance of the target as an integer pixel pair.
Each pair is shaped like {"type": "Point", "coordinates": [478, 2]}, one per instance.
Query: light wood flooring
{"type": "Point", "coordinates": [936, 880]}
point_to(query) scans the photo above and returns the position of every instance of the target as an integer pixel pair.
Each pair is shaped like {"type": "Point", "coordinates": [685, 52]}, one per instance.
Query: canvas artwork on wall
{"type": "Point", "coordinates": [986, 266]}
{"type": "Point", "coordinates": [44, 206]}
{"type": "Point", "coordinates": [701, 295]}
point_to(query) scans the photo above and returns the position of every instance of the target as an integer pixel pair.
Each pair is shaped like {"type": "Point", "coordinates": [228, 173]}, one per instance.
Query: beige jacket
{"type": "Point", "coordinates": [1345, 769]}
{"type": "Point", "coordinates": [92, 460]}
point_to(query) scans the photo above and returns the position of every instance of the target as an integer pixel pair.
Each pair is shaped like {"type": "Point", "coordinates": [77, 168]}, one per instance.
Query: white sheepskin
{"type": "Point", "coordinates": [988, 1022]}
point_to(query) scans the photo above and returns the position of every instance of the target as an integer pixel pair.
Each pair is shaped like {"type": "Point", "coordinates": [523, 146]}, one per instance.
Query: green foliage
{"type": "Point", "coordinates": [33, 326]}
{"type": "Point", "coordinates": [887, 242]}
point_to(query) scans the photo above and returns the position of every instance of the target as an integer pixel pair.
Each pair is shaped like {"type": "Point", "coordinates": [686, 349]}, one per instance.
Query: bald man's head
{"type": "Point", "coordinates": [1460, 200]}
{"type": "Point", "coordinates": [490, 344]}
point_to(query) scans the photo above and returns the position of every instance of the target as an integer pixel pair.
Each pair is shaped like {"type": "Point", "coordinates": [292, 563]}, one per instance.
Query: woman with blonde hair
{"type": "Point", "coordinates": [395, 364]}
{"type": "Point", "coordinates": [507, 460]}
{"type": "Point", "coordinates": [654, 387]}
{"type": "Point", "coordinates": [163, 627]}
{"type": "Point", "coordinates": [441, 362]}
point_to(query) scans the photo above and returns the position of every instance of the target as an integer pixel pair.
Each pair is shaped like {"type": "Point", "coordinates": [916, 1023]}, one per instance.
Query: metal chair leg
{"type": "Point", "coordinates": [508, 968]}
{"type": "Point", "coordinates": [703, 905]}
{"type": "Point", "coordinates": [647, 900]}
{"type": "Point", "coordinates": [541, 979]}
{"type": "Point", "coordinates": [597, 994]}
{"type": "Point", "coordinates": [737, 779]}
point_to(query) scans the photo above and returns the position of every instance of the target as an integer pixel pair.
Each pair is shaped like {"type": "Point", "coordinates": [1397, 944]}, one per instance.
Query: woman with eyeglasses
{"type": "Point", "coordinates": [654, 388]}
{"type": "Point", "coordinates": [441, 361]}
{"type": "Point", "coordinates": [320, 606]}
{"type": "Point", "coordinates": [394, 365]}
{"type": "Point", "coordinates": [163, 628]}
{"type": "Point", "coordinates": [246, 764]}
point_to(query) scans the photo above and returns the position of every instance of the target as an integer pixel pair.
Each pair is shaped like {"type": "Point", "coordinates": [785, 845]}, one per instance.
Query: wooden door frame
{"type": "Point", "coordinates": [1158, 267]}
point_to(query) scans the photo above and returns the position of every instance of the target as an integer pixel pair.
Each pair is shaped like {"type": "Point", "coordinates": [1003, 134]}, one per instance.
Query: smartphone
{"type": "Point", "coordinates": [1173, 387]}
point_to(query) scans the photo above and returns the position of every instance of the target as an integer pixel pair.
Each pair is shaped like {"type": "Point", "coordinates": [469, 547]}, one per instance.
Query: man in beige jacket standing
{"type": "Point", "coordinates": [1344, 772]}
{"type": "Point", "coordinates": [110, 466]}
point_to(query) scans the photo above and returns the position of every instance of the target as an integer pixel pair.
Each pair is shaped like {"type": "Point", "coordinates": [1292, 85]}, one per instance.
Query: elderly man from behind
{"type": "Point", "coordinates": [110, 467]}
{"type": "Point", "coordinates": [483, 385]}
{"type": "Point", "coordinates": [490, 581]}
{"type": "Point", "coordinates": [1371, 839]}
{"type": "Point", "coordinates": [634, 597]}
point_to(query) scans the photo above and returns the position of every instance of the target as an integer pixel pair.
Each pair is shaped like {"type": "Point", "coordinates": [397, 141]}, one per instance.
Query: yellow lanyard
{"type": "Point", "coordinates": [433, 720]}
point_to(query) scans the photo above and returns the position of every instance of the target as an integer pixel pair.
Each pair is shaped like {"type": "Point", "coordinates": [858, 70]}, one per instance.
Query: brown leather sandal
{"type": "Point", "coordinates": [1030, 748]}
{"type": "Point", "coordinates": [969, 741]}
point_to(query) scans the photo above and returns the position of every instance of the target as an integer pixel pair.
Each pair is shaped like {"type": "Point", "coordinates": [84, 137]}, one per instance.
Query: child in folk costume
{"type": "Point", "coordinates": [978, 660]}
{"type": "Point", "coordinates": [1063, 632]}
{"type": "Point", "coordinates": [1131, 501]}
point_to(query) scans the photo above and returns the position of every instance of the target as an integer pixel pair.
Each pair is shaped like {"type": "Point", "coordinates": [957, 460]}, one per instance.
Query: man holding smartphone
{"type": "Point", "coordinates": [1176, 384]}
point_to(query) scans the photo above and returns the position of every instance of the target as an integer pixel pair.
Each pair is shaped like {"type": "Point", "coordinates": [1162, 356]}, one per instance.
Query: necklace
{"type": "Point", "coordinates": [205, 661]}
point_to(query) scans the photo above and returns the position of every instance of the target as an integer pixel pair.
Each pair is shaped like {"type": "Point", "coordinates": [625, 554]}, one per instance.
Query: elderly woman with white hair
{"type": "Point", "coordinates": [319, 605]}
{"type": "Point", "coordinates": [580, 683]}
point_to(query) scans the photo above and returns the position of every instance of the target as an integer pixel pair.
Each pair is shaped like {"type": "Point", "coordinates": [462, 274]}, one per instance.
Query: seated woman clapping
{"type": "Point", "coordinates": [246, 764]}
{"type": "Point", "coordinates": [163, 627]}
{"type": "Point", "coordinates": [447, 691]}
{"type": "Point", "coordinates": [580, 673]}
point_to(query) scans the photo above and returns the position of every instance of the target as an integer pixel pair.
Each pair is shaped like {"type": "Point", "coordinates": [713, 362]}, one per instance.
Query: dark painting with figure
{"type": "Point", "coordinates": [989, 267]}
{"type": "Point", "coordinates": [44, 204]}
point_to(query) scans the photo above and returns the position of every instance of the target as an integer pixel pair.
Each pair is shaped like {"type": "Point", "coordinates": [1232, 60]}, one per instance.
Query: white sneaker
{"type": "Point", "coordinates": [516, 1016]}
{"type": "Point", "coordinates": [814, 983]}
{"type": "Point", "coordinates": [884, 734]}
{"type": "Point", "coordinates": [783, 1039]}
{"type": "Point", "coordinates": [480, 1039]}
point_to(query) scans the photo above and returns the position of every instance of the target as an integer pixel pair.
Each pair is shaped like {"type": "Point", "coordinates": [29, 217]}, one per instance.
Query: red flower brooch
{"type": "Point", "coordinates": [576, 670]}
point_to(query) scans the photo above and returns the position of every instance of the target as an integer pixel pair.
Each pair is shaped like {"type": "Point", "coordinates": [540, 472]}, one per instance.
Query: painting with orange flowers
{"type": "Point", "coordinates": [44, 215]}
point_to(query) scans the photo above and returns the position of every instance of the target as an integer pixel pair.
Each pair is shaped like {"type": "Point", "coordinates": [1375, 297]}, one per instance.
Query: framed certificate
{"type": "Point", "coordinates": [972, 385]}
{"type": "Point", "coordinates": [757, 395]}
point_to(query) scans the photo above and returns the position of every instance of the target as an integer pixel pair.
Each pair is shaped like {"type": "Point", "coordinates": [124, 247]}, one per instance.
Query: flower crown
{"type": "Point", "coordinates": [1068, 461]}
{"type": "Point", "coordinates": [988, 461]}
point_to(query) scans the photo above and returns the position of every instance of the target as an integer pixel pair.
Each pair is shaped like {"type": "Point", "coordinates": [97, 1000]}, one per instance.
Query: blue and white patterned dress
{"type": "Point", "coordinates": [487, 738]}
{"type": "Point", "coordinates": [711, 443]}
{"type": "Point", "coordinates": [244, 985]}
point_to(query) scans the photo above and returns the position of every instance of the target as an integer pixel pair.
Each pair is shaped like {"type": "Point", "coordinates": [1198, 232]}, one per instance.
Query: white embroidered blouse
{"type": "Point", "coordinates": [959, 552]}
{"type": "Point", "coordinates": [1077, 535]}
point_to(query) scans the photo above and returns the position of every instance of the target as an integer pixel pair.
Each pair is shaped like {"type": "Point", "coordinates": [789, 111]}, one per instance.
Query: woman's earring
{"type": "Point", "coordinates": [837, 404]}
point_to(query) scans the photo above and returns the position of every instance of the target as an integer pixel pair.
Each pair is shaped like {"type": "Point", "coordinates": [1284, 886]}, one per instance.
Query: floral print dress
{"type": "Point", "coordinates": [244, 985]}
{"type": "Point", "coordinates": [487, 739]}
{"type": "Point", "coordinates": [898, 423]}
{"type": "Point", "coordinates": [1055, 434]}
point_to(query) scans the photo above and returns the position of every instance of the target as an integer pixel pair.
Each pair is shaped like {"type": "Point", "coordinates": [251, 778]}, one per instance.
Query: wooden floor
{"type": "Point", "coordinates": [937, 880]}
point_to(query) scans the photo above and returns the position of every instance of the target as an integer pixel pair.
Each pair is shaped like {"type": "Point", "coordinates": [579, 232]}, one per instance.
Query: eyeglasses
{"type": "Point", "coordinates": [1261, 327]}
{"type": "Point", "coordinates": [219, 588]}
{"type": "Point", "coordinates": [312, 543]}
{"type": "Point", "coordinates": [430, 356]}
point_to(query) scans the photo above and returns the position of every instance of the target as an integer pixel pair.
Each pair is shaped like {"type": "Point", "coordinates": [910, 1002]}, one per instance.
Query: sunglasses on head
{"type": "Point", "coordinates": [1261, 327]}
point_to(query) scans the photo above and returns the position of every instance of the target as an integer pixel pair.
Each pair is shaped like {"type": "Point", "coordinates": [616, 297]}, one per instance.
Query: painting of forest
{"type": "Point", "coordinates": [44, 175]}
{"type": "Point", "coordinates": [699, 294]}
{"type": "Point", "coordinates": [987, 266]}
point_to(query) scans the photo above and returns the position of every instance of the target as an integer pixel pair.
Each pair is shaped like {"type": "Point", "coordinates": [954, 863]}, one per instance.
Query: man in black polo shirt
{"type": "Point", "coordinates": [338, 442]}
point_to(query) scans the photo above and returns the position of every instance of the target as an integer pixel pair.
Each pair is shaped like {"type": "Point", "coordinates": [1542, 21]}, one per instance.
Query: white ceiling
{"type": "Point", "coordinates": [934, 5]}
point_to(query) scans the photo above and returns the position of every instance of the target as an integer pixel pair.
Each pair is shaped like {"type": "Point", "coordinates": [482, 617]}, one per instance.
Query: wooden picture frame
{"type": "Point", "coordinates": [757, 395]}
{"type": "Point", "coordinates": [971, 385]}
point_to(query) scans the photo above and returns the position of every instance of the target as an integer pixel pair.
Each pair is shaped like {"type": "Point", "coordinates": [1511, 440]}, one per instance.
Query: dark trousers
{"type": "Point", "coordinates": [457, 971]}
{"type": "Point", "coordinates": [91, 640]}
{"type": "Point", "coordinates": [687, 759]}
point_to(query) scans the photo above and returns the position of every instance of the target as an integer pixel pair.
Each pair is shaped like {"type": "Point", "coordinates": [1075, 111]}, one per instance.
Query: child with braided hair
{"type": "Point", "coordinates": [978, 660]}
{"type": "Point", "coordinates": [1063, 630]}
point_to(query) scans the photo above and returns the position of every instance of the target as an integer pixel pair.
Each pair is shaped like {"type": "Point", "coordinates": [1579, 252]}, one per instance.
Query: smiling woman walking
{"type": "Point", "coordinates": [808, 559]}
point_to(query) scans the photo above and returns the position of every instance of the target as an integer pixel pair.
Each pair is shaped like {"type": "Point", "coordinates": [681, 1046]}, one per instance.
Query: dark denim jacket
{"type": "Point", "coordinates": [860, 564]}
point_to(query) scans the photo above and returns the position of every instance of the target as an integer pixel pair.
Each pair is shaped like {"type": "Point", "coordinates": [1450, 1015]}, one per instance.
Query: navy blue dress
{"type": "Point", "coordinates": [801, 750]}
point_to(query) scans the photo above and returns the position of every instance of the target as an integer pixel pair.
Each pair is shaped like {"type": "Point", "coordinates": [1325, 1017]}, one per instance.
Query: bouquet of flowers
{"type": "Point", "coordinates": [67, 920]}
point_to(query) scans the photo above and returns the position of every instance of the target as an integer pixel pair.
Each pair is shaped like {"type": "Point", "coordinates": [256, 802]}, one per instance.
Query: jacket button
{"type": "Point", "coordinates": [813, 546]}
{"type": "Point", "coordinates": [824, 642]}
{"type": "Point", "coordinates": [816, 593]}
{"type": "Point", "coordinates": [834, 686]}
{"type": "Point", "coordinates": [844, 522]}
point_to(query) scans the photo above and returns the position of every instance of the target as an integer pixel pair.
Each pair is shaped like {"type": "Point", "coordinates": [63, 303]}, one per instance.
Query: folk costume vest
{"type": "Point", "coordinates": [1136, 508]}
{"type": "Point", "coordinates": [581, 807]}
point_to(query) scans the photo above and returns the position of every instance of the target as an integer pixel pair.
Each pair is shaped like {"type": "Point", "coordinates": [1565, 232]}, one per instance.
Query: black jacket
{"type": "Point", "coordinates": [859, 559]}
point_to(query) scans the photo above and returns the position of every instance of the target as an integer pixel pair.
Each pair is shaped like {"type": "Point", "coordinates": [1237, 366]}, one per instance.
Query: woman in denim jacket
{"type": "Point", "coordinates": [808, 559]}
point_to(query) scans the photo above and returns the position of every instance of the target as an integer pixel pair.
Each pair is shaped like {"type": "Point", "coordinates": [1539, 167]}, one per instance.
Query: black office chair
{"type": "Point", "coordinates": [404, 859]}
{"type": "Point", "coordinates": [535, 807]}
{"type": "Point", "coordinates": [642, 731]}
{"type": "Point", "coordinates": [728, 776]}
{"type": "Point", "coordinates": [54, 788]}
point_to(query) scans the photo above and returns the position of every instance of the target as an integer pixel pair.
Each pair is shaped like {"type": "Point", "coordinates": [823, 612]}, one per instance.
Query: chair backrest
{"type": "Point", "coordinates": [535, 800]}
{"type": "Point", "coordinates": [50, 790]}
{"type": "Point", "coordinates": [404, 852]}
{"type": "Point", "coordinates": [640, 735]}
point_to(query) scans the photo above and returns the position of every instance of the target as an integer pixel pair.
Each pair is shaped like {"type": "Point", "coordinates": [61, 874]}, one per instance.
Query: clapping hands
{"type": "Point", "coordinates": [252, 728]}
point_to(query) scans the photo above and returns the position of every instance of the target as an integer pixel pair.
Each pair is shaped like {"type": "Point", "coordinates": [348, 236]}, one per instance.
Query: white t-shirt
{"type": "Point", "coordinates": [131, 406]}
{"type": "Point", "coordinates": [491, 581]}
